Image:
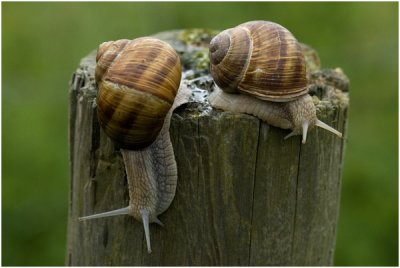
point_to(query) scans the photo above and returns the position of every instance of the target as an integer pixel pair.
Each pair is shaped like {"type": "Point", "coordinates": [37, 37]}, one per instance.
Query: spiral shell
{"type": "Point", "coordinates": [138, 81]}
{"type": "Point", "coordinates": [259, 58]}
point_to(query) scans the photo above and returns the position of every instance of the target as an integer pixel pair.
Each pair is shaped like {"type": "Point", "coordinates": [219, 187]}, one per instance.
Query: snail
{"type": "Point", "coordinates": [260, 67]}
{"type": "Point", "coordinates": [138, 83]}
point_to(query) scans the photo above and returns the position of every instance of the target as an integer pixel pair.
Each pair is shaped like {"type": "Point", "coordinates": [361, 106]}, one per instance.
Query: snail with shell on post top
{"type": "Point", "coordinates": [260, 67]}
{"type": "Point", "coordinates": [138, 83]}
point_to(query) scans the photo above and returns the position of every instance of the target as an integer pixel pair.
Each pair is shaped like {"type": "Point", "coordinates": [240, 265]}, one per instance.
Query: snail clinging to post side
{"type": "Point", "coordinates": [263, 62]}
{"type": "Point", "coordinates": [138, 83]}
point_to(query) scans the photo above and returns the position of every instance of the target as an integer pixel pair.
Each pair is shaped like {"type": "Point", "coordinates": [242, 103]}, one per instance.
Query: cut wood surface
{"type": "Point", "coordinates": [245, 196]}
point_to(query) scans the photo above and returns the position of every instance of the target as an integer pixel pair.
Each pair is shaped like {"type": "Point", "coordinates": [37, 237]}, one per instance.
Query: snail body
{"type": "Point", "coordinates": [260, 69]}
{"type": "Point", "coordinates": [138, 83]}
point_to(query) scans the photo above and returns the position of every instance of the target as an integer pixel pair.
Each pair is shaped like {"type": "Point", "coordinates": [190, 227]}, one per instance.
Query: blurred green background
{"type": "Point", "coordinates": [42, 44]}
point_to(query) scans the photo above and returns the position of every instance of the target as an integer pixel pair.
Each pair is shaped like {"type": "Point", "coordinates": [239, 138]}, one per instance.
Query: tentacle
{"type": "Point", "coordinates": [145, 219]}
{"type": "Point", "coordinates": [121, 211]}
{"type": "Point", "coordinates": [329, 128]}
{"type": "Point", "coordinates": [305, 129]}
{"type": "Point", "coordinates": [156, 220]}
{"type": "Point", "coordinates": [290, 135]}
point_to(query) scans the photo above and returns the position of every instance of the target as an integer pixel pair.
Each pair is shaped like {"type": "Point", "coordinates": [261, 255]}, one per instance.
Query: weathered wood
{"type": "Point", "coordinates": [245, 196]}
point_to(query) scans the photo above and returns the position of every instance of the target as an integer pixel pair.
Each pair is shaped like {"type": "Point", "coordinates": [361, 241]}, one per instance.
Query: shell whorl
{"type": "Point", "coordinates": [262, 59]}
{"type": "Point", "coordinates": [138, 81]}
{"type": "Point", "coordinates": [230, 53]}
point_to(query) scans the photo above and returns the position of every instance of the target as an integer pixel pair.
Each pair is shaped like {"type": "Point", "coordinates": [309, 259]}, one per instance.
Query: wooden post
{"type": "Point", "coordinates": [245, 196]}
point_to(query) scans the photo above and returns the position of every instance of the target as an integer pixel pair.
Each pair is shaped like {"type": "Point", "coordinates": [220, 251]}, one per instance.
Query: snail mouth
{"type": "Point", "coordinates": [219, 47]}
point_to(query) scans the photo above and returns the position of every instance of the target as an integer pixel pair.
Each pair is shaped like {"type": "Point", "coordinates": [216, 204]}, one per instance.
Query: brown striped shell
{"type": "Point", "coordinates": [259, 58]}
{"type": "Point", "coordinates": [138, 81]}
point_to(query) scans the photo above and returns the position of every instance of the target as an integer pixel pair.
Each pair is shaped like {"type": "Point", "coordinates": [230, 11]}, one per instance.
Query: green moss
{"type": "Point", "coordinates": [202, 59]}
{"type": "Point", "coordinates": [197, 36]}
{"type": "Point", "coordinates": [311, 58]}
